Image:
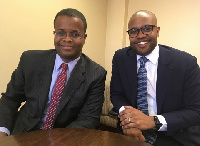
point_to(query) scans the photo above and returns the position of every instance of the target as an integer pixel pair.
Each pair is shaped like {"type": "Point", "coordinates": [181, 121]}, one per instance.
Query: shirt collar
{"type": "Point", "coordinates": [153, 56]}
{"type": "Point", "coordinates": [59, 61]}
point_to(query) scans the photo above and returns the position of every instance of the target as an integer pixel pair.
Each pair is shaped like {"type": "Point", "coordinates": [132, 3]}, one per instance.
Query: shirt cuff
{"type": "Point", "coordinates": [121, 109]}
{"type": "Point", "coordinates": [164, 123]}
{"type": "Point", "coordinates": [5, 130]}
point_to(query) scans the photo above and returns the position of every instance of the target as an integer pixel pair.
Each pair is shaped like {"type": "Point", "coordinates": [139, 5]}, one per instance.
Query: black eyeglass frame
{"type": "Point", "coordinates": [70, 35]}
{"type": "Point", "coordinates": [140, 29]}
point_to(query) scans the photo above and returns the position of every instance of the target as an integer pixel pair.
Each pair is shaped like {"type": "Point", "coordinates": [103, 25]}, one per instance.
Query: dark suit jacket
{"type": "Point", "coordinates": [80, 105]}
{"type": "Point", "coordinates": [177, 90]}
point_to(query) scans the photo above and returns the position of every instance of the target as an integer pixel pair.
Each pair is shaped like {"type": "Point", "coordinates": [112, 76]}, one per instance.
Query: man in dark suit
{"type": "Point", "coordinates": [33, 82]}
{"type": "Point", "coordinates": [173, 87]}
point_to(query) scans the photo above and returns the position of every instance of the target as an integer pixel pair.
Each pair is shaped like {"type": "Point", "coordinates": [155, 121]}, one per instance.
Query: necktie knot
{"type": "Point", "coordinates": [143, 60]}
{"type": "Point", "coordinates": [64, 66]}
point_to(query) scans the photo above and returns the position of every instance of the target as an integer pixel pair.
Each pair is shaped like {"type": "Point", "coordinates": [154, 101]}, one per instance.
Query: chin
{"type": "Point", "coordinates": [143, 52]}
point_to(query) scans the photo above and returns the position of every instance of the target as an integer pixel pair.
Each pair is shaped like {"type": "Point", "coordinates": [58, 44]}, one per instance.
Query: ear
{"type": "Point", "coordinates": [158, 30]}
{"type": "Point", "coordinates": [85, 35]}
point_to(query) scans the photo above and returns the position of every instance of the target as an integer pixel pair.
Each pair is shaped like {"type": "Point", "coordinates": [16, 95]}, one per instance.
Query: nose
{"type": "Point", "coordinates": [140, 34]}
{"type": "Point", "coordinates": [67, 38]}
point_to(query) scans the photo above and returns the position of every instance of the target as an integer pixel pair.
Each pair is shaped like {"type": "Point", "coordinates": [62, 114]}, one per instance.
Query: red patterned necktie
{"type": "Point", "coordinates": [60, 84]}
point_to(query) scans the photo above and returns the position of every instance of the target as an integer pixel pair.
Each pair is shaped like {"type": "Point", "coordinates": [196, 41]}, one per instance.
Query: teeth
{"type": "Point", "coordinates": [142, 43]}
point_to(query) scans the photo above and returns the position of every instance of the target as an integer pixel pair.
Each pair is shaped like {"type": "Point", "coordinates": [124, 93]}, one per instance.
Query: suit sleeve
{"type": "Point", "coordinates": [118, 96]}
{"type": "Point", "coordinates": [189, 114]}
{"type": "Point", "coordinates": [89, 115]}
{"type": "Point", "coordinates": [12, 98]}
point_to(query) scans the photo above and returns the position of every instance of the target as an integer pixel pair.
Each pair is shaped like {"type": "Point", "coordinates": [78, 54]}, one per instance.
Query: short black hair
{"type": "Point", "coordinates": [72, 13]}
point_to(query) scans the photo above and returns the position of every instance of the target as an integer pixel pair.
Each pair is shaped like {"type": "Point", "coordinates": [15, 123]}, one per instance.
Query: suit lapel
{"type": "Point", "coordinates": [75, 80]}
{"type": "Point", "coordinates": [44, 79]}
{"type": "Point", "coordinates": [131, 70]}
{"type": "Point", "coordinates": [163, 77]}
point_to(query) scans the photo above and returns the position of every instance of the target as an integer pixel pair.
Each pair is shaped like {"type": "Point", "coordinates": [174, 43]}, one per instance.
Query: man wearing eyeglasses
{"type": "Point", "coordinates": [155, 88]}
{"type": "Point", "coordinates": [61, 88]}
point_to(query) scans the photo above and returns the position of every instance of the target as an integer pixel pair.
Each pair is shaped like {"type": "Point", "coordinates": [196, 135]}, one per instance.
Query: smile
{"type": "Point", "coordinates": [142, 43]}
{"type": "Point", "coordinates": [66, 47]}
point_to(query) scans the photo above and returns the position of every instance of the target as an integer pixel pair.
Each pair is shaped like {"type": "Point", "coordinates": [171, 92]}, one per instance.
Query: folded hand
{"type": "Point", "coordinates": [134, 118]}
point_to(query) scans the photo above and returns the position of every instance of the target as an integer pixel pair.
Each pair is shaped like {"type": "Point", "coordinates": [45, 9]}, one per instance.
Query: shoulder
{"type": "Point", "coordinates": [124, 51]}
{"type": "Point", "coordinates": [35, 58]}
{"type": "Point", "coordinates": [124, 55]}
{"type": "Point", "coordinates": [175, 54]}
{"type": "Point", "coordinates": [91, 65]}
{"type": "Point", "coordinates": [178, 60]}
{"type": "Point", "coordinates": [38, 53]}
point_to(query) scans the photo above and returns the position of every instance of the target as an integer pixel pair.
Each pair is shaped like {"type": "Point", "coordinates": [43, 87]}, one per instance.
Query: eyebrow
{"type": "Point", "coordinates": [71, 31]}
{"type": "Point", "coordinates": [141, 27]}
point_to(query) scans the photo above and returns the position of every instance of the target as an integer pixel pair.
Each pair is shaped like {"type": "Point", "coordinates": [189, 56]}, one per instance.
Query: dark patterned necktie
{"type": "Point", "coordinates": [142, 104]}
{"type": "Point", "coordinates": [59, 86]}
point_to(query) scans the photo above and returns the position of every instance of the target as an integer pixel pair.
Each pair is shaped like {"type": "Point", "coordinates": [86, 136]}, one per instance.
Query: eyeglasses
{"type": "Point", "coordinates": [63, 34]}
{"type": "Point", "coordinates": [147, 29]}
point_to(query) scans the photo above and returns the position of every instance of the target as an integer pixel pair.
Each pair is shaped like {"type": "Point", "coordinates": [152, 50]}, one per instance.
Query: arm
{"type": "Point", "coordinates": [4, 130]}
{"type": "Point", "coordinates": [90, 113]}
{"type": "Point", "coordinates": [189, 114]}
{"type": "Point", "coordinates": [2, 134]}
{"type": "Point", "coordinates": [12, 98]}
{"type": "Point", "coordinates": [118, 96]}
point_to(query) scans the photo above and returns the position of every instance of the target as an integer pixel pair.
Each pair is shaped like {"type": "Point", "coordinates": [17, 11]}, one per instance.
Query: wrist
{"type": "Point", "coordinates": [157, 123]}
{"type": "Point", "coordinates": [151, 122]}
{"type": "Point", "coordinates": [2, 134]}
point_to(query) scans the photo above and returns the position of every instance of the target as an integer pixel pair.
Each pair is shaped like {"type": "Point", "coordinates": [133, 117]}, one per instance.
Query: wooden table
{"type": "Point", "coordinates": [70, 137]}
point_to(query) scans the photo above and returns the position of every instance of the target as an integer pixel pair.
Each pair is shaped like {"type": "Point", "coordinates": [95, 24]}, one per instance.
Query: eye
{"type": "Point", "coordinates": [133, 31]}
{"type": "Point", "coordinates": [147, 28]}
{"type": "Point", "coordinates": [75, 34]}
{"type": "Point", "coordinates": [61, 33]}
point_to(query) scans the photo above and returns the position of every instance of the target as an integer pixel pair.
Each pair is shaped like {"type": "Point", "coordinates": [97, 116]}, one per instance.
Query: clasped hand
{"type": "Point", "coordinates": [133, 121]}
{"type": "Point", "coordinates": [134, 118]}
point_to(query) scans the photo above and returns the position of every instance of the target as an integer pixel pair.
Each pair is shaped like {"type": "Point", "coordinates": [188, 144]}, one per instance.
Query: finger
{"type": "Point", "coordinates": [134, 133]}
{"type": "Point", "coordinates": [129, 120]}
{"type": "Point", "coordinates": [128, 126]}
{"type": "Point", "coordinates": [128, 133]}
{"type": "Point", "coordinates": [142, 138]}
{"type": "Point", "coordinates": [120, 114]}
{"type": "Point", "coordinates": [128, 107]}
{"type": "Point", "coordinates": [123, 112]}
{"type": "Point", "coordinates": [135, 137]}
{"type": "Point", "coordinates": [125, 117]}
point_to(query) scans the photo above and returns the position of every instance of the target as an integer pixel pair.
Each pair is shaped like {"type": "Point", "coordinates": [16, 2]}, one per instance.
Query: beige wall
{"type": "Point", "coordinates": [28, 25]}
{"type": "Point", "coordinates": [179, 21]}
{"type": "Point", "coordinates": [116, 21]}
